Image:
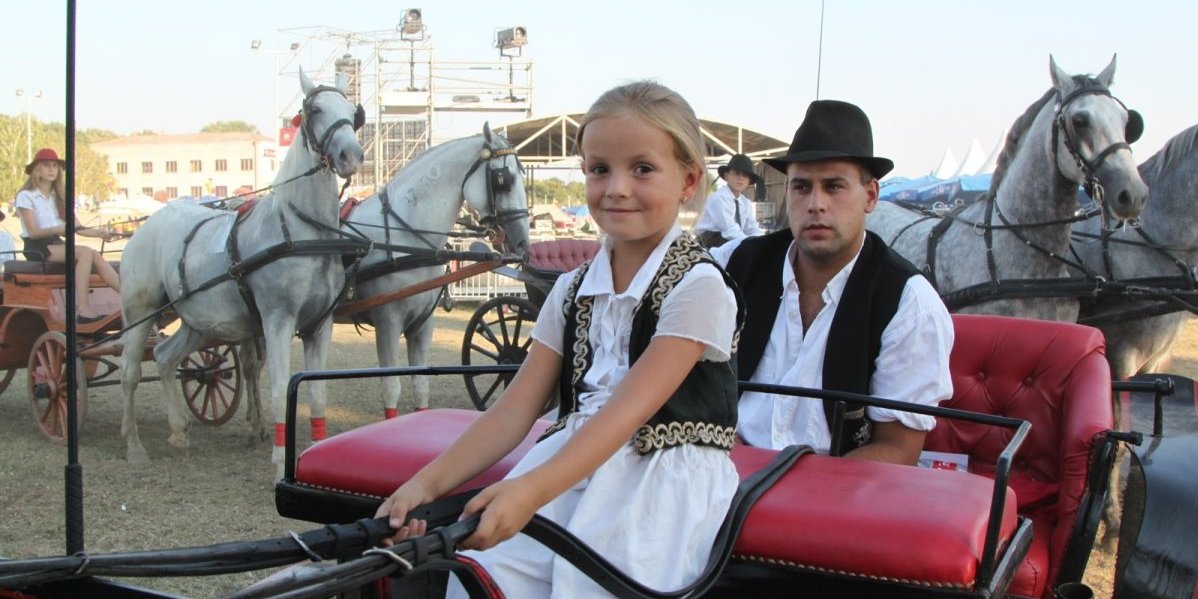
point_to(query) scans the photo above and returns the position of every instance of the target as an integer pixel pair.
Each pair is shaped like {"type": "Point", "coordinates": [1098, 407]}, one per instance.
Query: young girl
{"type": "Point", "coordinates": [639, 342]}
{"type": "Point", "coordinates": [40, 204]}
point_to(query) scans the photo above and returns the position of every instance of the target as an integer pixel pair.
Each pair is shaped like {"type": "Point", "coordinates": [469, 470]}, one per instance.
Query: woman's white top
{"type": "Point", "coordinates": [45, 213]}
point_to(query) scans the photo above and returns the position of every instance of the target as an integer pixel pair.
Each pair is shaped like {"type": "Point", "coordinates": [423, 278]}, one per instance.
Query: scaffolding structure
{"type": "Point", "coordinates": [402, 86]}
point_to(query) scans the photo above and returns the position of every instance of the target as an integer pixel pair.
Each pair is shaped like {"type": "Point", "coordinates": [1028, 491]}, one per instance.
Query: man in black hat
{"type": "Point", "coordinates": [830, 306]}
{"type": "Point", "coordinates": [728, 214]}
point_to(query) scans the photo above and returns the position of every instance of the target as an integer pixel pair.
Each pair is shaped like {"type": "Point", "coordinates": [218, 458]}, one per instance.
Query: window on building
{"type": "Point", "coordinates": [147, 167]}
{"type": "Point", "coordinates": [172, 192]}
{"type": "Point", "coordinates": [247, 164]}
{"type": "Point", "coordinates": [221, 190]}
{"type": "Point", "coordinates": [172, 167]}
{"type": "Point", "coordinates": [196, 191]}
{"type": "Point", "coordinates": [196, 166]}
{"type": "Point", "coordinates": [147, 191]}
{"type": "Point", "coordinates": [124, 191]}
{"type": "Point", "coordinates": [122, 168]}
{"type": "Point", "coordinates": [222, 164]}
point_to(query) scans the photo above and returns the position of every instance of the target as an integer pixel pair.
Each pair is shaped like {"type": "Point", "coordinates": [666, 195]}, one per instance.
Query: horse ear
{"type": "Point", "coordinates": [1107, 76]}
{"type": "Point", "coordinates": [1135, 127]}
{"type": "Point", "coordinates": [1060, 79]}
{"type": "Point", "coordinates": [306, 84]}
{"type": "Point", "coordinates": [487, 132]}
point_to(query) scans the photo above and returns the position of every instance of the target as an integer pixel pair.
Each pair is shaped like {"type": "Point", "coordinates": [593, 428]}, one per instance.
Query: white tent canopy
{"type": "Point", "coordinates": [133, 206]}
{"type": "Point", "coordinates": [948, 165]}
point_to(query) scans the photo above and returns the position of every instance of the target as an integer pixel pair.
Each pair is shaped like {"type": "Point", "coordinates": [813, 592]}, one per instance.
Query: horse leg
{"type": "Point", "coordinates": [168, 355]}
{"type": "Point", "coordinates": [386, 342]}
{"type": "Point", "coordinates": [277, 330]}
{"type": "Point", "coordinates": [251, 371]}
{"type": "Point", "coordinates": [316, 352]}
{"type": "Point", "coordinates": [1124, 363]}
{"type": "Point", "coordinates": [419, 339]}
{"type": "Point", "coordinates": [134, 341]}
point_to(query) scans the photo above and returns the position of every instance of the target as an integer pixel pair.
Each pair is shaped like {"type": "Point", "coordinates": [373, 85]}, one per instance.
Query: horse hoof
{"type": "Point", "coordinates": [179, 441]}
{"type": "Point", "coordinates": [137, 455]}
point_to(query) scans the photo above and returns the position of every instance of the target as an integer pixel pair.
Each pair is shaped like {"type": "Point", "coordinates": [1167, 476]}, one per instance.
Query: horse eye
{"type": "Point", "coordinates": [1080, 121]}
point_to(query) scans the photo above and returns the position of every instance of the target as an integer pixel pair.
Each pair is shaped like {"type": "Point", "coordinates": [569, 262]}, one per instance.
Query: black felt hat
{"type": "Point", "coordinates": [741, 163]}
{"type": "Point", "coordinates": [834, 130]}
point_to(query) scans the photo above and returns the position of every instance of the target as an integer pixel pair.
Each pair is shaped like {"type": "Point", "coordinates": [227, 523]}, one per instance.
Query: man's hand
{"type": "Point", "coordinates": [506, 507]}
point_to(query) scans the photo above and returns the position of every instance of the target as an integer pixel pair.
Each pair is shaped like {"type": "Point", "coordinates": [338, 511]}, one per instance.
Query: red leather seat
{"type": "Point", "coordinates": [1053, 375]}
{"type": "Point", "coordinates": [802, 523]}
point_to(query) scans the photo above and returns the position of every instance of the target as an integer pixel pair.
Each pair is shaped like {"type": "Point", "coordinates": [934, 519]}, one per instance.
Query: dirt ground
{"type": "Point", "coordinates": [221, 488]}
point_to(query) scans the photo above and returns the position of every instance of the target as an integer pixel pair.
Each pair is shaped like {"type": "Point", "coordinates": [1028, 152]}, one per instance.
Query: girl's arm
{"type": "Point", "coordinates": [495, 434]}
{"type": "Point", "coordinates": [510, 504]}
{"type": "Point", "coordinates": [36, 232]}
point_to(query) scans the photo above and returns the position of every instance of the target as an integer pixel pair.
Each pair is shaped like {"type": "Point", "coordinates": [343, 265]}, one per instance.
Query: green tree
{"type": "Point", "coordinates": [555, 191]}
{"type": "Point", "coordinates": [229, 127]}
{"type": "Point", "coordinates": [91, 168]}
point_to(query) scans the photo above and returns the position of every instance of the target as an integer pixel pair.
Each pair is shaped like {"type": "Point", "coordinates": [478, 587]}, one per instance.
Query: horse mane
{"type": "Point", "coordinates": [1176, 149]}
{"type": "Point", "coordinates": [1022, 124]}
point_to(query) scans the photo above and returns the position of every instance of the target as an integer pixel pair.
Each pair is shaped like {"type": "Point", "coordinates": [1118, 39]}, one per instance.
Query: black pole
{"type": "Point", "coordinates": [74, 470]}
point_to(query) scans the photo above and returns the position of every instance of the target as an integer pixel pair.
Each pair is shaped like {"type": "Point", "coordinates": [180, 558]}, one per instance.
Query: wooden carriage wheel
{"type": "Point", "coordinates": [48, 386]}
{"type": "Point", "coordinates": [499, 332]}
{"type": "Point", "coordinates": [211, 381]}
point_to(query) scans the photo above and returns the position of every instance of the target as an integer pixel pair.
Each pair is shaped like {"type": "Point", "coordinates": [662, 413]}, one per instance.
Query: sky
{"type": "Point", "coordinates": [932, 75]}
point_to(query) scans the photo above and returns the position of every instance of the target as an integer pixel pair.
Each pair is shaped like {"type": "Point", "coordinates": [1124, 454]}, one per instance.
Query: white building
{"type": "Point", "coordinates": [196, 164]}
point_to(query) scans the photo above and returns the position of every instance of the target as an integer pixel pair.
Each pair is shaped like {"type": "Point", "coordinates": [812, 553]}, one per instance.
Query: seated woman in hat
{"type": "Point", "coordinates": [40, 204]}
{"type": "Point", "coordinates": [728, 214]}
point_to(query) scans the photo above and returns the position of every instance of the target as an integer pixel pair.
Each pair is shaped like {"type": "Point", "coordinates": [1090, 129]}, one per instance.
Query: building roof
{"type": "Point", "coordinates": [181, 138]}
{"type": "Point", "coordinates": [546, 140]}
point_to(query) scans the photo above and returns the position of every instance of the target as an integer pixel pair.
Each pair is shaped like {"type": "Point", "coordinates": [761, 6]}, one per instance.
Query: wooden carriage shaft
{"type": "Point", "coordinates": [465, 272]}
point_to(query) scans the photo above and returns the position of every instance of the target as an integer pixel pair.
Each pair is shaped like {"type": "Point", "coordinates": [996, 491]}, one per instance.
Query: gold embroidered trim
{"type": "Point", "coordinates": [653, 437]}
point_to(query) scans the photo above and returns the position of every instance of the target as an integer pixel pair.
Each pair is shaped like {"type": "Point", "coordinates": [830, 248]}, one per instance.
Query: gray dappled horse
{"type": "Point", "coordinates": [1164, 245]}
{"type": "Point", "coordinates": [183, 246]}
{"type": "Point", "coordinates": [1073, 135]}
{"type": "Point", "coordinates": [417, 209]}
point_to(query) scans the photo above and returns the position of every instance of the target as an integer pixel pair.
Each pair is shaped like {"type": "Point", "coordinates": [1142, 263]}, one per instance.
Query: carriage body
{"type": "Point", "coordinates": [33, 323]}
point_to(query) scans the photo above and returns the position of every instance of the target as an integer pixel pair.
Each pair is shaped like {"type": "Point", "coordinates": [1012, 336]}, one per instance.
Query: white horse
{"type": "Point", "coordinates": [417, 209]}
{"type": "Point", "coordinates": [1073, 135]}
{"type": "Point", "coordinates": [178, 253]}
{"type": "Point", "coordinates": [1164, 245]}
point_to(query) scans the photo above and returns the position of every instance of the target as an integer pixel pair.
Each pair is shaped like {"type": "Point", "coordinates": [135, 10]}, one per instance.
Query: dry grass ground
{"type": "Point", "coordinates": [220, 489]}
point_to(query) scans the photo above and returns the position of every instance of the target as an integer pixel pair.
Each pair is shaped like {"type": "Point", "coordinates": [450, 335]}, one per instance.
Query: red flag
{"type": "Point", "coordinates": [287, 135]}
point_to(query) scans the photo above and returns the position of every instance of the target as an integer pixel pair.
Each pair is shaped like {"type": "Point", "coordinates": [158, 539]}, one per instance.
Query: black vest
{"type": "Point", "coordinates": [702, 410]}
{"type": "Point", "coordinates": [870, 300]}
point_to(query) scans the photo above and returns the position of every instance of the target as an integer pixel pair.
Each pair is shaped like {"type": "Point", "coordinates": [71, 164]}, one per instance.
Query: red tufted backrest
{"type": "Point", "coordinates": [1052, 374]}
{"type": "Point", "coordinates": [561, 255]}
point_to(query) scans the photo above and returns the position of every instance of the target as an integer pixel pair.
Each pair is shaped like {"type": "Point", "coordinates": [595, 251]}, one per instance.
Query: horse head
{"type": "Point", "coordinates": [329, 125]}
{"type": "Point", "coordinates": [494, 189]}
{"type": "Point", "coordinates": [1092, 131]}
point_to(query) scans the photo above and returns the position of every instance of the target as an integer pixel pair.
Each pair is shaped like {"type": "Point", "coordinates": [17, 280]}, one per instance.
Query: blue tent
{"type": "Point", "coordinates": [965, 188]}
{"type": "Point", "coordinates": [901, 188]}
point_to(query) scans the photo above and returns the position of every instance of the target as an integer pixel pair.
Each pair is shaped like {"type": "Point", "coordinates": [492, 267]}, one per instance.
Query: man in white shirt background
{"type": "Point", "coordinates": [728, 214]}
{"type": "Point", "coordinates": [831, 307]}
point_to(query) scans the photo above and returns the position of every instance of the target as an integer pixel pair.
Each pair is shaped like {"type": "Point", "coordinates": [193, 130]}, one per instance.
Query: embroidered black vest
{"type": "Point", "coordinates": [702, 410]}
{"type": "Point", "coordinates": [870, 300]}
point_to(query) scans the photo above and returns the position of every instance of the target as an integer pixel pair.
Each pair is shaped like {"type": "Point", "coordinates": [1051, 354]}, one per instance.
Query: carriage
{"type": "Point", "coordinates": [32, 336]}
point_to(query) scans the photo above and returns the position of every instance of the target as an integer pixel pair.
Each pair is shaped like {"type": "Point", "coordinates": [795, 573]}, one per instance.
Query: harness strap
{"type": "Point", "coordinates": [238, 272]}
{"type": "Point", "coordinates": [183, 291]}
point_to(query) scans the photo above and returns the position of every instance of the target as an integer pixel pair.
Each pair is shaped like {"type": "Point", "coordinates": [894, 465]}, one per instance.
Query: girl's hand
{"type": "Point", "coordinates": [405, 499]}
{"type": "Point", "coordinates": [506, 507]}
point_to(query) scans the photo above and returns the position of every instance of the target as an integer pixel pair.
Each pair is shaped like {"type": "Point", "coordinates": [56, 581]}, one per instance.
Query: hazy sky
{"type": "Point", "coordinates": [931, 75]}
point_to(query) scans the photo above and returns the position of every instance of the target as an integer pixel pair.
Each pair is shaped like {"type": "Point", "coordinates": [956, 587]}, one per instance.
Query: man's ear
{"type": "Point", "coordinates": [872, 190]}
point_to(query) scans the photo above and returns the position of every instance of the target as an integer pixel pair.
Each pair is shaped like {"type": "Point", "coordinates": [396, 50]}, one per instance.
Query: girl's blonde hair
{"type": "Point", "coordinates": [57, 189]}
{"type": "Point", "coordinates": [663, 108]}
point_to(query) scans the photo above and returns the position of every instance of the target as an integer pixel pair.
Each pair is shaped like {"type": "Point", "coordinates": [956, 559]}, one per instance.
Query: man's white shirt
{"type": "Point", "coordinates": [912, 365]}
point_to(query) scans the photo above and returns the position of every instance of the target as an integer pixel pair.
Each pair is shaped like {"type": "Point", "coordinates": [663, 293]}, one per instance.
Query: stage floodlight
{"type": "Point", "coordinates": [255, 44]}
{"type": "Point", "coordinates": [413, 23]}
{"type": "Point", "coordinates": [512, 37]}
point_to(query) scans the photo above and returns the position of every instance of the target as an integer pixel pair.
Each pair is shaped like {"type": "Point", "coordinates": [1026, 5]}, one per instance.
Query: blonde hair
{"type": "Point", "coordinates": [665, 109]}
{"type": "Point", "coordinates": [57, 188]}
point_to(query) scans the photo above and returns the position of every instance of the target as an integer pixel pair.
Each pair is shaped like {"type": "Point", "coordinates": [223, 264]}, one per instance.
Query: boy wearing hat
{"type": "Point", "coordinates": [728, 214]}
{"type": "Point", "coordinates": [830, 306]}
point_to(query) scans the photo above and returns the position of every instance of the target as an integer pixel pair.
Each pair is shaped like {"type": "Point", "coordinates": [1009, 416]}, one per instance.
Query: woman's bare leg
{"type": "Point", "coordinates": [106, 272]}
{"type": "Point", "coordinates": [83, 273]}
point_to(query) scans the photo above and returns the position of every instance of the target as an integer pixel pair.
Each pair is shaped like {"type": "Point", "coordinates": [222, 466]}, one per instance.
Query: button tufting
{"type": "Point", "coordinates": [981, 376]}
{"type": "Point", "coordinates": [1028, 381]}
